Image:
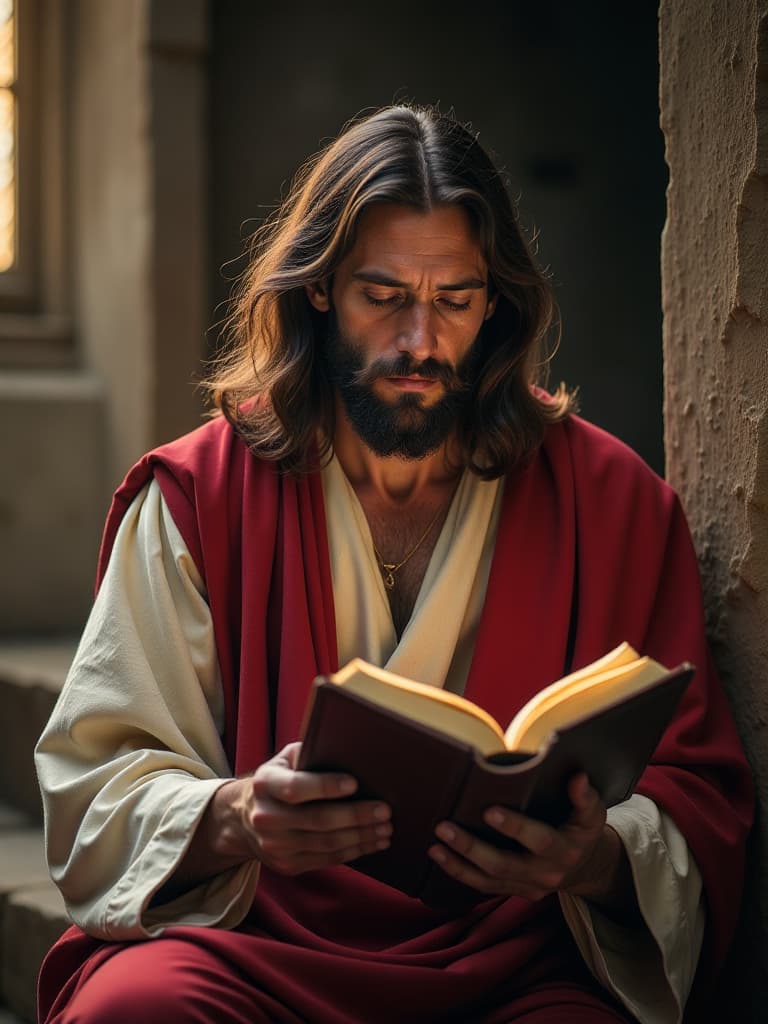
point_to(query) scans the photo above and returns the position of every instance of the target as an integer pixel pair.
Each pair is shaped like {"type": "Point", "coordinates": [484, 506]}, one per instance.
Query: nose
{"type": "Point", "coordinates": [417, 333]}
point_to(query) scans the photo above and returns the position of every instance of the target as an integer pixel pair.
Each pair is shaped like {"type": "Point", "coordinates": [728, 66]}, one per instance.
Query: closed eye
{"type": "Point", "coordinates": [394, 300]}
{"type": "Point", "coordinates": [390, 301]}
{"type": "Point", "coordinates": [459, 307]}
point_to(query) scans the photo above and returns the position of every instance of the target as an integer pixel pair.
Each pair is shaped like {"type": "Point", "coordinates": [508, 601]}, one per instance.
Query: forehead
{"type": "Point", "coordinates": [395, 237]}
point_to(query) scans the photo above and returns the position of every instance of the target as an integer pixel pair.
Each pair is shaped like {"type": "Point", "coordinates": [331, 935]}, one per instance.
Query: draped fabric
{"type": "Point", "coordinates": [591, 549]}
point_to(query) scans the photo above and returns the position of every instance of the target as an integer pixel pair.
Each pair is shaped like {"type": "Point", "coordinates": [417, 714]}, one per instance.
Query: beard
{"type": "Point", "coordinates": [404, 427]}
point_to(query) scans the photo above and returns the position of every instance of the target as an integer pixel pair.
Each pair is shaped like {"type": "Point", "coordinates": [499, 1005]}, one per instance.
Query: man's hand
{"type": "Point", "coordinates": [295, 821]}
{"type": "Point", "coordinates": [289, 820]}
{"type": "Point", "coordinates": [585, 857]}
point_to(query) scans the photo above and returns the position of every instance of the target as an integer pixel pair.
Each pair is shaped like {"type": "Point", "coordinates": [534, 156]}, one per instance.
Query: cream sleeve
{"type": "Point", "coordinates": [132, 753]}
{"type": "Point", "coordinates": [649, 968]}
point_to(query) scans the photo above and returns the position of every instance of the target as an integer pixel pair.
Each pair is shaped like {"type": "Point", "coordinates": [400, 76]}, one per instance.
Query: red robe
{"type": "Point", "coordinates": [592, 549]}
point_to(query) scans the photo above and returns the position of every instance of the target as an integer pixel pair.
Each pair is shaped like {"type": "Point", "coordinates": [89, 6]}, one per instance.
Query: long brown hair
{"type": "Point", "coordinates": [270, 380]}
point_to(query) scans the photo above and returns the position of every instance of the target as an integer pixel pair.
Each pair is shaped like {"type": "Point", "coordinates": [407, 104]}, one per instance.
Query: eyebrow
{"type": "Point", "coordinates": [376, 277]}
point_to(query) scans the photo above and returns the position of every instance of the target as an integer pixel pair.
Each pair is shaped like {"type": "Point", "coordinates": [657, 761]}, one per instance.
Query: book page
{"type": "Point", "coordinates": [428, 705]}
{"type": "Point", "coordinates": [621, 655]}
{"type": "Point", "coordinates": [583, 694]}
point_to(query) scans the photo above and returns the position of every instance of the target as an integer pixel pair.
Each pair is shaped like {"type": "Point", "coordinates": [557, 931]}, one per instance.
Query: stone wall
{"type": "Point", "coordinates": [131, 220]}
{"type": "Point", "coordinates": [714, 108]}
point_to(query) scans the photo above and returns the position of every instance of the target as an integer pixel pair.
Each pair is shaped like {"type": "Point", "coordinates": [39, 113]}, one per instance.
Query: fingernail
{"type": "Point", "coordinates": [446, 832]}
{"type": "Point", "coordinates": [347, 786]}
{"type": "Point", "coordinates": [381, 812]}
{"type": "Point", "coordinates": [382, 844]}
{"type": "Point", "coordinates": [494, 818]}
{"type": "Point", "coordinates": [437, 853]}
{"type": "Point", "coordinates": [384, 830]}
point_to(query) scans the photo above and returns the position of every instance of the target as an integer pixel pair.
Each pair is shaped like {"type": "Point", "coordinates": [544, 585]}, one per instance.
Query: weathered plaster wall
{"type": "Point", "coordinates": [714, 109]}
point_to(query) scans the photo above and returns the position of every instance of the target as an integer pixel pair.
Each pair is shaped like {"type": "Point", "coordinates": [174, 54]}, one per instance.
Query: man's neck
{"type": "Point", "coordinates": [392, 480]}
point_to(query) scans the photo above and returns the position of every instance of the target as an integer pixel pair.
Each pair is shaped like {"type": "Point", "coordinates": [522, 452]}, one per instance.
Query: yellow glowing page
{"type": "Point", "coordinates": [429, 705]}
{"type": "Point", "coordinates": [621, 673]}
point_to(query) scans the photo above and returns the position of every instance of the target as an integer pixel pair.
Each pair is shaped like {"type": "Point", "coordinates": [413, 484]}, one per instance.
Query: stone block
{"type": "Point", "coordinates": [23, 871]}
{"type": "Point", "coordinates": [53, 497]}
{"type": "Point", "coordinates": [31, 677]}
{"type": "Point", "coordinates": [10, 818]}
{"type": "Point", "coordinates": [9, 1017]}
{"type": "Point", "coordinates": [32, 920]}
{"type": "Point", "coordinates": [22, 860]}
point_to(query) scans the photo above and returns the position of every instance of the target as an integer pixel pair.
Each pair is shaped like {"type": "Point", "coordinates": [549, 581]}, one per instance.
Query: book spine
{"type": "Point", "coordinates": [487, 783]}
{"type": "Point", "coordinates": [413, 768]}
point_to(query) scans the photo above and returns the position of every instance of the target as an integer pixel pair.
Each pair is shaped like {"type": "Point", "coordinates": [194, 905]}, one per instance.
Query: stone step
{"type": "Point", "coordinates": [31, 677]}
{"type": "Point", "coordinates": [9, 1017]}
{"type": "Point", "coordinates": [33, 920]}
{"type": "Point", "coordinates": [32, 914]}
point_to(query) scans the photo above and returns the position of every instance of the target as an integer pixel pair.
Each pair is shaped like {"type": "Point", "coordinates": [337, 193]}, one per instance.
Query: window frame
{"type": "Point", "coordinates": [18, 283]}
{"type": "Point", "coordinates": [35, 325]}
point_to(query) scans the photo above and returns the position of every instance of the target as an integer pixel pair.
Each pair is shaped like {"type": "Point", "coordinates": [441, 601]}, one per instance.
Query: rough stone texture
{"type": "Point", "coordinates": [714, 104]}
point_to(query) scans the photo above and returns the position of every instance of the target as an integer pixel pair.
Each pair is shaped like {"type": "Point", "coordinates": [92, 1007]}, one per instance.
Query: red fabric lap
{"type": "Point", "coordinates": [477, 968]}
{"type": "Point", "coordinates": [196, 977]}
{"type": "Point", "coordinates": [170, 981]}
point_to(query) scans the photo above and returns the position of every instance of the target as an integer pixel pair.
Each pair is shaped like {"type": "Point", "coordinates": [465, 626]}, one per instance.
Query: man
{"type": "Point", "coordinates": [385, 481]}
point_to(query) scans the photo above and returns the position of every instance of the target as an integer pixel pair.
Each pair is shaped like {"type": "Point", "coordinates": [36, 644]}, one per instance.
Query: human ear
{"type": "Point", "coordinates": [318, 294]}
{"type": "Point", "coordinates": [490, 307]}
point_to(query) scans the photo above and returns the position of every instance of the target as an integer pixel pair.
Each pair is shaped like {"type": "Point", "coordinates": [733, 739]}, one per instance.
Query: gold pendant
{"type": "Point", "coordinates": [389, 577]}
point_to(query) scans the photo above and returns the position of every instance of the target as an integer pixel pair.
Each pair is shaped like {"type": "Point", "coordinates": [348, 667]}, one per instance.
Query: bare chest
{"type": "Point", "coordinates": [403, 545]}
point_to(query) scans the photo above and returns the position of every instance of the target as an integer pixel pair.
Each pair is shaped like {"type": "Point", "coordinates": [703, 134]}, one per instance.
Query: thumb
{"type": "Point", "coordinates": [588, 810]}
{"type": "Point", "coordinates": [289, 755]}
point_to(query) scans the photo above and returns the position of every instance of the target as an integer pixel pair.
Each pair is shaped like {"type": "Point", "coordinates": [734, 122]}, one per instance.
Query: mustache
{"type": "Point", "coordinates": [406, 366]}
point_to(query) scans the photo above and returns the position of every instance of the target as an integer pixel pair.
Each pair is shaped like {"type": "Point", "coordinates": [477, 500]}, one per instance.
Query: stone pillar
{"type": "Point", "coordinates": [112, 217]}
{"type": "Point", "coordinates": [714, 113]}
{"type": "Point", "coordinates": [139, 114]}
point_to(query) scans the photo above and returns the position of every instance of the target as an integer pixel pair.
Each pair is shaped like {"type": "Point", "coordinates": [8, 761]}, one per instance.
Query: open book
{"type": "Point", "coordinates": [434, 756]}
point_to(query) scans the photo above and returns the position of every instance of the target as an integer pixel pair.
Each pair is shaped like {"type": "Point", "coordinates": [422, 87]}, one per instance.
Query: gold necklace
{"type": "Point", "coordinates": [388, 569]}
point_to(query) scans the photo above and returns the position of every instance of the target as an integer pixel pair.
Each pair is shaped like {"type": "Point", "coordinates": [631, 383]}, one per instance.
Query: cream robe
{"type": "Point", "coordinates": [119, 816]}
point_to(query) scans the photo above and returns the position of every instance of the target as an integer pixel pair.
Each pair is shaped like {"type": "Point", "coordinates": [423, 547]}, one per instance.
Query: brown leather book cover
{"type": "Point", "coordinates": [428, 777]}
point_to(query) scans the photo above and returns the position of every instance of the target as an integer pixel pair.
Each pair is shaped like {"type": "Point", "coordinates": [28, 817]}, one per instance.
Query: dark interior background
{"type": "Point", "coordinates": [565, 95]}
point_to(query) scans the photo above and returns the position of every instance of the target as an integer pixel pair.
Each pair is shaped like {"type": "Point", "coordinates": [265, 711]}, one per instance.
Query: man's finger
{"type": "Point", "coordinates": [307, 861]}
{"type": "Point", "coordinates": [320, 816]}
{"type": "Point", "coordinates": [287, 845]}
{"type": "Point", "coordinates": [470, 874]}
{"type": "Point", "coordinates": [292, 787]}
{"type": "Point", "coordinates": [535, 836]}
{"type": "Point", "coordinates": [494, 862]}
